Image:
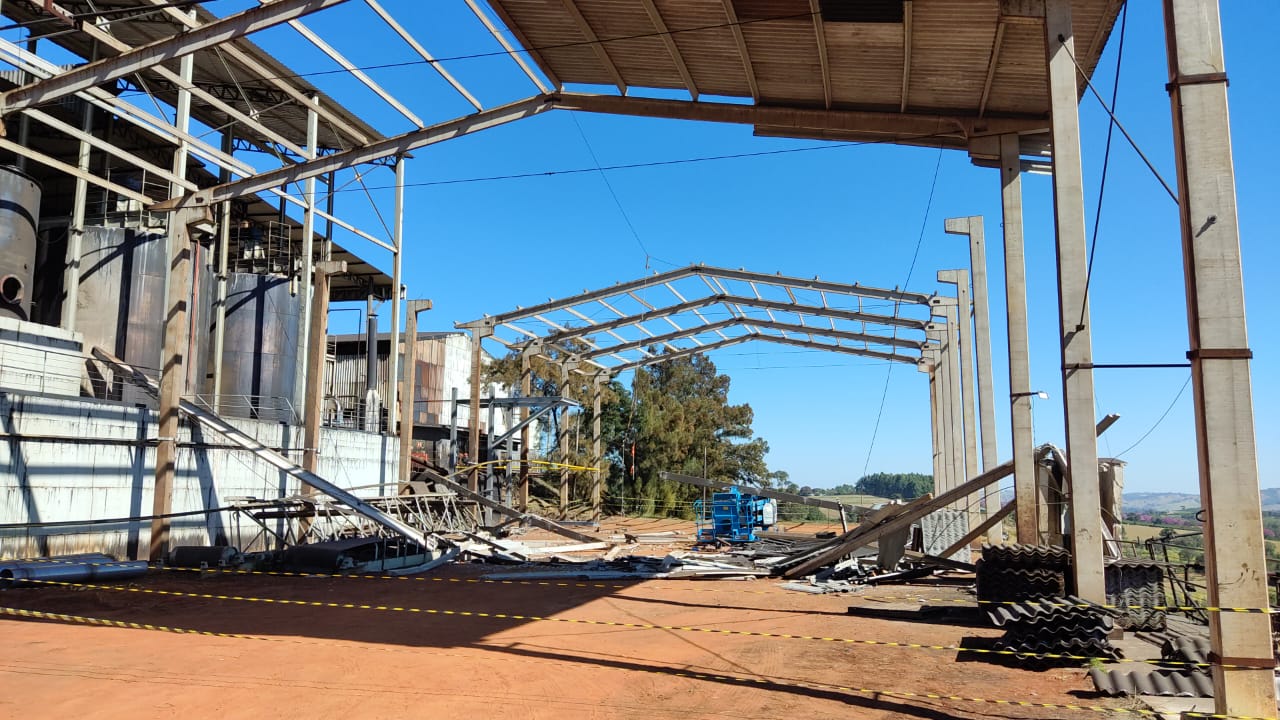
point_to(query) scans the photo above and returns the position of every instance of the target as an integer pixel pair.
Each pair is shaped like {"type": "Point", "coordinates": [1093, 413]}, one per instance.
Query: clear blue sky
{"type": "Point", "coordinates": [846, 213]}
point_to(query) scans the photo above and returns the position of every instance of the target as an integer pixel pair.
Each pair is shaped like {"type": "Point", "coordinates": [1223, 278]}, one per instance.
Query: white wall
{"type": "Point", "coordinates": [65, 459]}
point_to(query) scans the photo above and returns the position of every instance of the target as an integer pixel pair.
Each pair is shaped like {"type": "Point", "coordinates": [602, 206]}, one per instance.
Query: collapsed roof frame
{"type": "Point", "coordinates": [749, 309]}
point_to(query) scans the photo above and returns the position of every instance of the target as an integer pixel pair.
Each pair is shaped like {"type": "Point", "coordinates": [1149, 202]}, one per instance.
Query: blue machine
{"type": "Point", "coordinates": [734, 517]}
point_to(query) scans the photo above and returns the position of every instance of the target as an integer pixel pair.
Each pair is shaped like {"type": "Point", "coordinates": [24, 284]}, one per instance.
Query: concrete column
{"type": "Point", "coordinates": [397, 292]}
{"type": "Point", "coordinates": [307, 271]}
{"type": "Point", "coordinates": [1073, 303]}
{"type": "Point", "coordinates": [972, 227]}
{"type": "Point", "coordinates": [220, 293]}
{"type": "Point", "coordinates": [173, 372]}
{"type": "Point", "coordinates": [313, 403]}
{"type": "Point", "coordinates": [526, 390]}
{"type": "Point", "coordinates": [174, 356]}
{"type": "Point", "coordinates": [75, 232]}
{"type": "Point", "coordinates": [955, 403]}
{"type": "Point", "coordinates": [1015, 287]}
{"type": "Point", "coordinates": [936, 332]}
{"type": "Point", "coordinates": [566, 475]}
{"type": "Point", "coordinates": [473, 420]}
{"type": "Point", "coordinates": [1235, 565]}
{"type": "Point", "coordinates": [926, 366]}
{"type": "Point", "coordinates": [408, 415]}
{"type": "Point", "coordinates": [597, 452]}
{"type": "Point", "coordinates": [964, 336]}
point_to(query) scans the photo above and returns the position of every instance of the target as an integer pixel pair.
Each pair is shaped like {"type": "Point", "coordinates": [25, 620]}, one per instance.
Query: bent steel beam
{"type": "Point", "coordinates": [398, 145]}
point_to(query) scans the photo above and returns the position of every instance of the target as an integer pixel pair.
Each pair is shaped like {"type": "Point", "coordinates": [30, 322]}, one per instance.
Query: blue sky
{"type": "Point", "coordinates": [845, 213]}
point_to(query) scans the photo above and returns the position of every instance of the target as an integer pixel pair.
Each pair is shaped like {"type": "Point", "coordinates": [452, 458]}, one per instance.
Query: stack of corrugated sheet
{"type": "Point", "coordinates": [1022, 572]}
{"type": "Point", "coordinates": [1054, 626]}
{"type": "Point", "coordinates": [1186, 680]}
{"type": "Point", "coordinates": [1136, 588]}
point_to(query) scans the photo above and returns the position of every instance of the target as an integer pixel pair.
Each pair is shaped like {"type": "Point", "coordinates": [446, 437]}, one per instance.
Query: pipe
{"type": "Point", "coordinates": [71, 572]}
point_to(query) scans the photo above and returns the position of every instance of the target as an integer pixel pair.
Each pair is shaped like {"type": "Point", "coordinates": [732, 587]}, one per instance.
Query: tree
{"type": "Point", "coordinates": [685, 424]}
{"type": "Point", "coordinates": [679, 419]}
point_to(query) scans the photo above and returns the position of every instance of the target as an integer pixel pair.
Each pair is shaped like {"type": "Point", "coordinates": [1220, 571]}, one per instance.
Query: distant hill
{"type": "Point", "coordinates": [1173, 502]}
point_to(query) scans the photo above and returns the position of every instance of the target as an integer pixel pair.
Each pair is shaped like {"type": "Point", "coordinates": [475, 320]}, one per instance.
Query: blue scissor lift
{"type": "Point", "coordinates": [733, 517]}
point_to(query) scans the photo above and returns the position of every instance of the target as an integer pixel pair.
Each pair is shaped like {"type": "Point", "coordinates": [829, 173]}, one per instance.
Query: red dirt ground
{"type": "Point", "coordinates": [322, 662]}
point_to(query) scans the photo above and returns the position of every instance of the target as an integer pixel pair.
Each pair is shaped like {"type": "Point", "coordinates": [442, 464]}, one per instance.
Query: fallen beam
{"type": "Point", "coordinates": [235, 436]}
{"type": "Point", "coordinates": [977, 532]}
{"type": "Point", "coordinates": [501, 509]}
{"type": "Point", "coordinates": [863, 535]}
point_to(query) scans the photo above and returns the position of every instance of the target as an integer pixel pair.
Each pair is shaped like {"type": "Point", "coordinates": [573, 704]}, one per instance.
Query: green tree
{"type": "Point", "coordinates": [685, 424]}
{"type": "Point", "coordinates": [678, 420]}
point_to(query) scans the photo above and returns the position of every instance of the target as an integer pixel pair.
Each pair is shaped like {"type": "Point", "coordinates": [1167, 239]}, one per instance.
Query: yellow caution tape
{"type": "Point", "coordinates": [1046, 603]}
{"type": "Point", "coordinates": [612, 623]}
{"type": "Point", "coordinates": [616, 586]}
{"type": "Point", "coordinates": [17, 612]}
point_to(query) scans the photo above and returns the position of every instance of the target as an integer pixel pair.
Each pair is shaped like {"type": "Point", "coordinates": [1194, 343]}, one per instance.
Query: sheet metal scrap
{"type": "Point", "coordinates": [1054, 626]}
{"type": "Point", "coordinates": [1169, 683]}
{"type": "Point", "coordinates": [1187, 650]}
{"type": "Point", "coordinates": [1136, 586]}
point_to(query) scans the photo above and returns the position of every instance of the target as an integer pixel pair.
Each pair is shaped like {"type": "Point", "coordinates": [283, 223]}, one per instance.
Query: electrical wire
{"type": "Point", "coordinates": [613, 194]}
{"type": "Point", "coordinates": [650, 164]}
{"type": "Point", "coordinates": [1106, 163]}
{"type": "Point", "coordinates": [924, 224]}
{"type": "Point", "coordinates": [1160, 420]}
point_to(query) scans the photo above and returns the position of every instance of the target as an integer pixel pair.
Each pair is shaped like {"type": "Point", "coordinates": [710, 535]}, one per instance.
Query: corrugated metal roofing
{"type": "Point", "coordinates": [1172, 683]}
{"type": "Point", "coordinates": [950, 46]}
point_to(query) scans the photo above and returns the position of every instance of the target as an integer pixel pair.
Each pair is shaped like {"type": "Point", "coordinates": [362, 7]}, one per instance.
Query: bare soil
{"type": "Point", "coordinates": [335, 662]}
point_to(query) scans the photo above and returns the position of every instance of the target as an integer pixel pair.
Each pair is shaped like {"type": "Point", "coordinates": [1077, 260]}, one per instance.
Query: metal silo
{"type": "Point", "coordinates": [19, 218]}
{"type": "Point", "coordinates": [121, 307]}
{"type": "Point", "coordinates": [260, 353]}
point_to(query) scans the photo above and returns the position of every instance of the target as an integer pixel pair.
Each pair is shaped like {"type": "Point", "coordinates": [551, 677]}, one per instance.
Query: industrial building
{"type": "Point", "coordinates": [172, 237]}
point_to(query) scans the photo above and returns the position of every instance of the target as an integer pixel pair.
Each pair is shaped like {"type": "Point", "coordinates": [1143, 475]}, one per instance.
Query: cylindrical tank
{"type": "Point", "coordinates": [19, 218]}
{"type": "Point", "coordinates": [260, 349]}
{"type": "Point", "coordinates": [121, 307]}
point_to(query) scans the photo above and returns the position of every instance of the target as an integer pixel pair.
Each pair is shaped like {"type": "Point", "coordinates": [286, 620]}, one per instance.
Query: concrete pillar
{"type": "Point", "coordinates": [1073, 303]}
{"type": "Point", "coordinates": [397, 292]}
{"type": "Point", "coordinates": [526, 390]}
{"type": "Point", "coordinates": [173, 372]}
{"type": "Point", "coordinates": [1015, 287]}
{"type": "Point", "coordinates": [75, 233]}
{"type": "Point", "coordinates": [566, 475]}
{"type": "Point", "coordinates": [926, 366]}
{"type": "Point", "coordinates": [936, 333]}
{"type": "Point", "coordinates": [313, 404]}
{"type": "Point", "coordinates": [972, 227]}
{"type": "Point", "coordinates": [964, 347]}
{"type": "Point", "coordinates": [473, 420]}
{"type": "Point", "coordinates": [597, 451]}
{"type": "Point", "coordinates": [1235, 565]}
{"type": "Point", "coordinates": [220, 293]}
{"type": "Point", "coordinates": [408, 415]}
{"type": "Point", "coordinates": [308, 245]}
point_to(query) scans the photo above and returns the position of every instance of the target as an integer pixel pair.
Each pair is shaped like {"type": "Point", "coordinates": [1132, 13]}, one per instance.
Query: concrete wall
{"type": "Point", "coordinates": [64, 459]}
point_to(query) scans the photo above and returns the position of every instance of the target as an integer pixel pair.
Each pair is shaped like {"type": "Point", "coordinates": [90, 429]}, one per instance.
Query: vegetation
{"type": "Point", "coordinates": [898, 486]}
